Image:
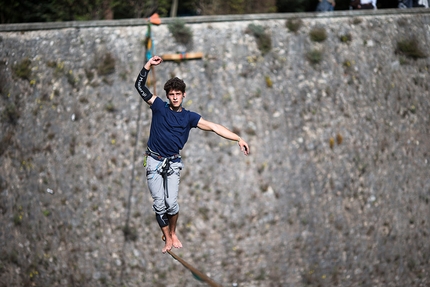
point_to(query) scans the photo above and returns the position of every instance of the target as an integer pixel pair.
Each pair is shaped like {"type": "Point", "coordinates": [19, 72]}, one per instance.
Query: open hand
{"type": "Point", "coordinates": [244, 147]}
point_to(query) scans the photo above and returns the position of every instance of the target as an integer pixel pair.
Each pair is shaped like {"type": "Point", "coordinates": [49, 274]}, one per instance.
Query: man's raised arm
{"type": "Point", "coordinates": [140, 86]}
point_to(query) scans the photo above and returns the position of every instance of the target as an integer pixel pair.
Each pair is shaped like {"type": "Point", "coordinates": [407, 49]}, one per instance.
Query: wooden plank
{"type": "Point", "coordinates": [182, 56]}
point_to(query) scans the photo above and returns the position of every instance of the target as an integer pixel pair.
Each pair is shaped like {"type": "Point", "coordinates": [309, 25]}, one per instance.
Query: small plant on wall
{"type": "Point", "coordinates": [294, 24]}
{"type": "Point", "coordinates": [410, 48]}
{"type": "Point", "coordinates": [107, 65]}
{"type": "Point", "coordinates": [23, 69]}
{"type": "Point", "coordinates": [314, 56]}
{"type": "Point", "coordinates": [264, 42]}
{"type": "Point", "coordinates": [345, 38]}
{"type": "Point", "coordinates": [318, 34]}
{"type": "Point", "coordinates": [181, 33]}
{"type": "Point", "coordinates": [10, 114]}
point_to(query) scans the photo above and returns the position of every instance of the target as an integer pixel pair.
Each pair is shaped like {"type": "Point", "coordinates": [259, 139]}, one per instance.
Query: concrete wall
{"type": "Point", "coordinates": [335, 193]}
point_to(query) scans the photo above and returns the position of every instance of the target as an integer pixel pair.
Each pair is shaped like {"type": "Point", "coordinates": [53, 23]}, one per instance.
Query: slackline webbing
{"type": "Point", "coordinates": [196, 273]}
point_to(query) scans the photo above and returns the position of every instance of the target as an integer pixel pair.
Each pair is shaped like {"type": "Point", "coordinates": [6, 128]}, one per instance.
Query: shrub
{"type": "Point", "coordinates": [356, 21]}
{"type": "Point", "coordinates": [181, 33]}
{"type": "Point", "coordinates": [11, 114]}
{"type": "Point", "coordinates": [318, 34]}
{"type": "Point", "coordinates": [89, 74]}
{"type": "Point", "coordinates": [294, 25]}
{"type": "Point", "coordinates": [59, 69]}
{"type": "Point", "coordinates": [348, 65]}
{"type": "Point", "coordinates": [346, 38]}
{"type": "Point", "coordinates": [339, 139]}
{"type": "Point", "coordinates": [331, 142]}
{"type": "Point", "coordinates": [51, 64]}
{"type": "Point", "coordinates": [130, 233]}
{"type": "Point", "coordinates": [107, 65]}
{"type": "Point", "coordinates": [17, 219]}
{"type": "Point", "coordinates": [23, 69]}
{"type": "Point", "coordinates": [110, 107]}
{"type": "Point", "coordinates": [4, 89]}
{"type": "Point", "coordinates": [5, 142]}
{"type": "Point", "coordinates": [269, 82]}
{"type": "Point", "coordinates": [314, 56]}
{"type": "Point", "coordinates": [264, 42]}
{"type": "Point", "coordinates": [410, 48]}
{"type": "Point", "coordinates": [71, 78]}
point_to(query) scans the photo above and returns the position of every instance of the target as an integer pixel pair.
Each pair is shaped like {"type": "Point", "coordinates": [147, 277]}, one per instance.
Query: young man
{"type": "Point", "coordinates": [170, 127]}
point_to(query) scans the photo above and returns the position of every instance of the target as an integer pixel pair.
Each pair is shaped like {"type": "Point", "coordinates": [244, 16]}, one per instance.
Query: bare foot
{"type": "Point", "coordinates": [176, 242]}
{"type": "Point", "coordinates": [168, 245]}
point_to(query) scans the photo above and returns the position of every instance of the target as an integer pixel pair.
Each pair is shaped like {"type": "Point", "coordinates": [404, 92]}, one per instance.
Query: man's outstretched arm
{"type": "Point", "coordinates": [225, 133]}
{"type": "Point", "coordinates": [143, 91]}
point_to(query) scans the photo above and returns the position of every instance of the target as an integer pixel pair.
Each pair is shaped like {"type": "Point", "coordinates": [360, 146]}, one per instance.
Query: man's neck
{"type": "Point", "coordinates": [178, 109]}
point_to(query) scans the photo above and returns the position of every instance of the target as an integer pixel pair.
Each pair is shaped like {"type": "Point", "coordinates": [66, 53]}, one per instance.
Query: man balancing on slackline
{"type": "Point", "coordinates": [170, 128]}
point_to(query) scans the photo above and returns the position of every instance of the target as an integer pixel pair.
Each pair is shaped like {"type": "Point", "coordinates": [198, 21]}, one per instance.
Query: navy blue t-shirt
{"type": "Point", "coordinates": [170, 129]}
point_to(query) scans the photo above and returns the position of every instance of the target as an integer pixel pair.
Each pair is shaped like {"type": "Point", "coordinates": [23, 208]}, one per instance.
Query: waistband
{"type": "Point", "coordinates": [158, 157]}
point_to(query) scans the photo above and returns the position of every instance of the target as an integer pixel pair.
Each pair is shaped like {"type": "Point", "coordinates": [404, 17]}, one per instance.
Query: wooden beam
{"type": "Point", "coordinates": [182, 56]}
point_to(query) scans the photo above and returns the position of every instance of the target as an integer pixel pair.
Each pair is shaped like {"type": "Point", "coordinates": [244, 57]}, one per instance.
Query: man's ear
{"type": "Point", "coordinates": [184, 95]}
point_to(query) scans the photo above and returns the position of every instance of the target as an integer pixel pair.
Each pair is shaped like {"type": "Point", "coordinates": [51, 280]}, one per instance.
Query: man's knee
{"type": "Point", "coordinates": [173, 208]}
{"type": "Point", "coordinates": [162, 220]}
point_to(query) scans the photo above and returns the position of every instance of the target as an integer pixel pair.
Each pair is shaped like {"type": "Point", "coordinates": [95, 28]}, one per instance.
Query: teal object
{"type": "Point", "coordinates": [197, 277]}
{"type": "Point", "coordinates": [150, 50]}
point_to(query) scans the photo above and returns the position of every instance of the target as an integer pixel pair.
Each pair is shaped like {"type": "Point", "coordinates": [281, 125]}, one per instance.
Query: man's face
{"type": "Point", "coordinates": [175, 97]}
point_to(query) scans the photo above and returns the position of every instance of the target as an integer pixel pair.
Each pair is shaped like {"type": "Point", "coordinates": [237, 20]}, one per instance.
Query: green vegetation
{"type": "Point", "coordinates": [339, 138]}
{"type": "Point", "coordinates": [57, 66]}
{"type": "Point", "coordinates": [85, 10]}
{"type": "Point", "coordinates": [25, 11]}
{"type": "Point", "coordinates": [51, 64]}
{"type": "Point", "coordinates": [181, 33]}
{"type": "Point", "coordinates": [294, 25]}
{"type": "Point", "coordinates": [356, 21]}
{"type": "Point", "coordinates": [346, 38]}
{"type": "Point", "coordinates": [71, 78]}
{"type": "Point", "coordinates": [110, 107]}
{"type": "Point", "coordinates": [5, 142]}
{"type": "Point", "coordinates": [107, 65]}
{"type": "Point", "coordinates": [10, 114]}
{"type": "Point", "coordinates": [130, 233]}
{"type": "Point", "coordinates": [269, 82]}
{"type": "Point", "coordinates": [89, 74]}
{"type": "Point", "coordinates": [331, 142]}
{"type": "Point", "coordinates": [17, 219]}
{"type": "Point", "coordinates": [264, 42]}
{"type": "Point", "coordinates": [348, 65]}
{"type": "Point", "coordinates": [318, 34]}
{"type": "Point", "coordinates": [59, 69]}
{"type": "Point", "coordinates": [410, 48]}
{"type": "Point", "coordinates": [314, 56]}
{"type": "Point", "coordinates": [23, 69]}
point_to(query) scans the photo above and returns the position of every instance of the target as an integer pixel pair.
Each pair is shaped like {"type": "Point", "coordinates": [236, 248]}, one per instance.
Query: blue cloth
{"type": "Point", "coordinates": [169, 129]}
{"type": "Point", "coordinates": [324, 6]}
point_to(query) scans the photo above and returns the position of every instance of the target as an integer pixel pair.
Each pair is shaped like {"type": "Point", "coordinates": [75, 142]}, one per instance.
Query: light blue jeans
{"type": "Point", "coordinates": [164, 200]}
{"type": "Point", "coordinates": [324, 5]}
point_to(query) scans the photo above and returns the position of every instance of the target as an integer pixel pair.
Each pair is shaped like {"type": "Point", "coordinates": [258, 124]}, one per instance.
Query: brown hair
{"type": "Point", "coordinates": [175, 84]}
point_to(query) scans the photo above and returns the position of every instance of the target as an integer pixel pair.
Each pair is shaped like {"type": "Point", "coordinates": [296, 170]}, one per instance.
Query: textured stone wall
{"type": "Point", "coordinates": [335, 193]}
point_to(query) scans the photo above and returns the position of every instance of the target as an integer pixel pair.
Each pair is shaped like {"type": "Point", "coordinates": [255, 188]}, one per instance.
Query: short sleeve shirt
{"type": "Point", "coordinates": [170, 129]}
